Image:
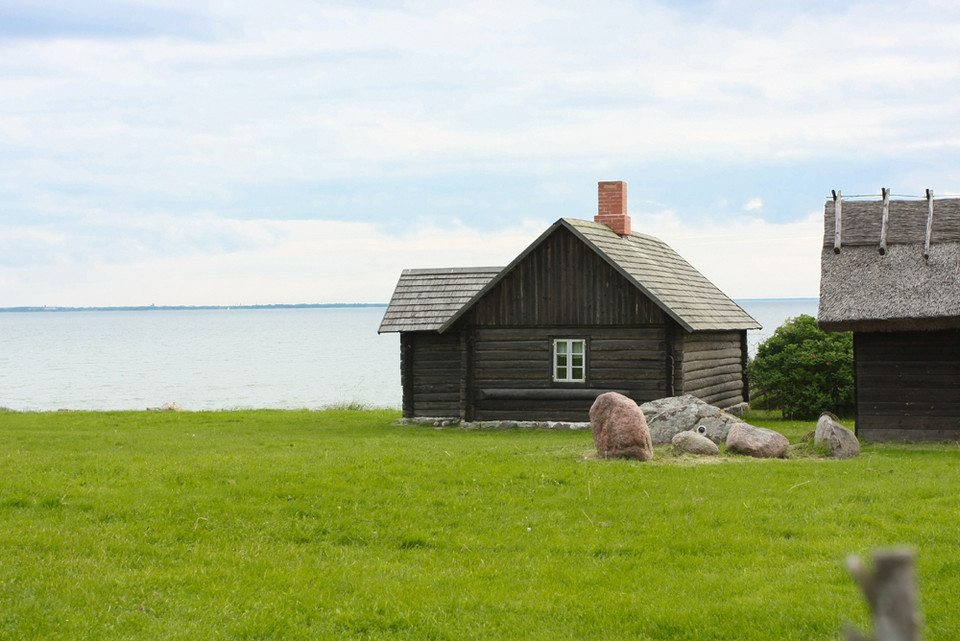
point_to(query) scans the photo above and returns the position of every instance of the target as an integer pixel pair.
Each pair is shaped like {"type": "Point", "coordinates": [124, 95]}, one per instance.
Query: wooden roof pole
{"type": "Point", "coordinates": [926, 244]}
{"type": "Point", "coordinates": [883, 221]}
{"type": "Point", "coordinates": [837, 223]}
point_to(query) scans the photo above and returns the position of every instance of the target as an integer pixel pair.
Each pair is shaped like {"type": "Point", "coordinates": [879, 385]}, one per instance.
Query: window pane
{"type": "Point", "coordinates": [577, 374]}
{"type": "Point", "coordinates": [577, 360]}
{"type": "Point", "coordinates": [561, 347]}
{"type": "Point", "coordinates": [576, 347]}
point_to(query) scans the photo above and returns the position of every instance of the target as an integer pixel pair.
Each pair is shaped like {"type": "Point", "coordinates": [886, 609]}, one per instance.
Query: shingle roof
{"type": "Point", "coordinates": [862, 289]}
{"type": "Point", "coordinates": [666, 278]}
{"type": "Point", "coordinates": [426, 298]}
{"type": "Point", "coordinates": [433, 299]}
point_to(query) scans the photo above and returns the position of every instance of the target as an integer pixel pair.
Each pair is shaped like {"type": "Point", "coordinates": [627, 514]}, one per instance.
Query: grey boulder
{"type": "Point", "coordinates": [758, 442]}
{"type": "Point", "coordinates": [667, 417]}
{"type": "Point", "coordinates": [841, 442]}
{"type": "Point", "coordinates": [692, 443]}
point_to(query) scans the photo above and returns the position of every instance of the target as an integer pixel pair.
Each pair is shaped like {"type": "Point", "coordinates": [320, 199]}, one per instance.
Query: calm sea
{"type": "Point", "coordinates": [222, 359]}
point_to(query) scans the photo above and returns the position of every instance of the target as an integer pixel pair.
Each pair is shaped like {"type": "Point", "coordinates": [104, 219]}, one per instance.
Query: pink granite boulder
{"type": "Point", "coordinates": [619, 428]}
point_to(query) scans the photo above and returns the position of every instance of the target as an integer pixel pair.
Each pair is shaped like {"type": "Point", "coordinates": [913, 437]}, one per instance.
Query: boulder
{"type": "Point", "coordinates": [758, 442]}
{"type": "Point", "coordinates": [841, 442]}
{"type": "Point", "coordinates": [692, 443]}
{"type": "Point", "coordinates": [667, 417]}
{"type": "Point", "coordinates": [619, 428]}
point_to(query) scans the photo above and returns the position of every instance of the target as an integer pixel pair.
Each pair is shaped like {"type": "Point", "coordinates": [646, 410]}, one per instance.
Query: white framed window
{"type": "Point", "coordinates": [569, 360]}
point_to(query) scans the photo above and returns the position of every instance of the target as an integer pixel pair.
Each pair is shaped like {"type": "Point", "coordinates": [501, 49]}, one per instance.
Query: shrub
{"type": "Point", "coordinates": [804, 371]}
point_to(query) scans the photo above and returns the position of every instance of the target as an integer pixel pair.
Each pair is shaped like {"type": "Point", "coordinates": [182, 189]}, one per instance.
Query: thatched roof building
{"type": "Point", "coordinates": [890, 272]}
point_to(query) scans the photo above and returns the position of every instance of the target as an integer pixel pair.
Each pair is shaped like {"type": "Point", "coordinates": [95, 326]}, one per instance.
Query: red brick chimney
{"type": "Point", "coordinates": [612, 209]}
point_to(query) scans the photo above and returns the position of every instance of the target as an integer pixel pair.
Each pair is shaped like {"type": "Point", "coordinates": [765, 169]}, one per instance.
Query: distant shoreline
{"type": "Point", "coordinates": [150, 308]}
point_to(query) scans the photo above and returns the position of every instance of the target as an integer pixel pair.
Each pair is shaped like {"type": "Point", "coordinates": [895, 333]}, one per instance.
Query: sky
{"type": "Point", "coordinates": [176, 152]}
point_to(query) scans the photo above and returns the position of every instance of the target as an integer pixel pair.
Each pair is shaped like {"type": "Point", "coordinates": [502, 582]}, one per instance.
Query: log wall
{"type": "Point", "coordinates": [908, 385]}
{"type": "Point", "coordinates": [430, 373]}
{"type": "Point", "coordinates": [713, 367]}
{"type": "Point", "coordinates": [512, 374]}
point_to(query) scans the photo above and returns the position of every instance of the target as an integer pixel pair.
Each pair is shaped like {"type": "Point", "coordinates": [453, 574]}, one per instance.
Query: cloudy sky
{"type": "Point", "coordinates": [208, 152]}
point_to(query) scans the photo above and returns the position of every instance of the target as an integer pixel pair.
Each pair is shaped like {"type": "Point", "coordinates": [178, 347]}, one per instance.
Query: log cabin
{"type": "Point", "coordinates": [588, 307]}
{"type": "Point", "coordinates": [890, 273]}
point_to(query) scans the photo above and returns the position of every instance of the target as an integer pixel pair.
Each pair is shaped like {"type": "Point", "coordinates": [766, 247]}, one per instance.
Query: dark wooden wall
{"type": "Point", "coordinates": [430, 373]}
{"type": "Point", "coordinates": [712, 367]}
{"type": "Point", "coordinates": [563, 283]}
{"type": "Point", "coordinates": [908, 385]}
{"type": "Point", "coordinates": [513, 371]}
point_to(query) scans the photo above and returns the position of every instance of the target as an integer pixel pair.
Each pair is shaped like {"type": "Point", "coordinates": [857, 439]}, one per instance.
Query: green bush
{"type": "Point", "coordinates": [804, 371]}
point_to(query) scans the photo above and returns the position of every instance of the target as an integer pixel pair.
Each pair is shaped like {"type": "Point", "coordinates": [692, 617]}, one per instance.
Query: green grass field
{"type": "Point", "coordinates": [341, 525]}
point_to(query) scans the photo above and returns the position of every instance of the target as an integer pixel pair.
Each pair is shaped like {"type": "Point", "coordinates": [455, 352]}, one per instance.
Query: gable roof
{"type": "Point", "coordinates": [426, 298]}
{"type": "Point", "coordinates": [648, 263]}
{"type": "Point", "coordinates": [864, 290]}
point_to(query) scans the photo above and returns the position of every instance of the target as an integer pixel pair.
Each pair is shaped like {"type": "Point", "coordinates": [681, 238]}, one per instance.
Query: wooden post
{"type": "Point", "coordinates": [891, 591]}
{"type": "Point", "coordinates": [837, 221]}
{"type": "Point", "coordinates": [883, 221]}
{"type": "Point", "coordinates": [926, 244]}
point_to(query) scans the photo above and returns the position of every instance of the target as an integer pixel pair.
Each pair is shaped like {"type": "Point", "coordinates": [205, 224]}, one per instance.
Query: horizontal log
{"type": "Point", "coordinates": [436, 409]}
{"type": "Point", "coordinates": [698, 376]}
{"type": "Point", "coordinates": [909, 394]}
{"type": "Point", "coordinates": [598, 333]}
{"type": "Point", "coordinates": [446, 386]}
{"type": "Point", "coordinates": [598, 374]}
{"type": "Point", "coordinates": [713, 354]}
{"type": "Point", "coordinates": [436, 397]}
{"type": "Point", "coordinates": [627, 357]}
{"type": "Point", "coordinates": [606, 345]}
{"type": "Point", "coordinates": [527, 394]}
{"type": "Point", "coordinates": [703, 366]}
{"type": "Point", "coordinates": [901, 434]}
{"type": "Point", "coordinates": [572, 416]}
{"type": "Point", "coordinates": [723, 400]}
{"type": "Point", "coordinates": [914, 411]}
{"type": "Point", "coordinates": [539, 345]}
{"type": "Point", "coordinates": [699, 348]}
{"type": "Point", "coordinates": [713, 390]}
{"type": "Point", "coordinates": [512, 373]}
{"type": "Point", "coordinates": [711, 337]}
{"type": "Point", "coordinates": [510, 356]}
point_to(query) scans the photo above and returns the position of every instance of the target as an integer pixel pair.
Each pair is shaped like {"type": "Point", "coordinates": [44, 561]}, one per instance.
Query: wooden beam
{"type": "Point", "coordinates": [884, 220]}
{"type": "Point", "coordinates": [926, 244]}
{"type": "Point", "coordinates": [552, 393]}
{"type": "Point", "coordinates": [837, 220]}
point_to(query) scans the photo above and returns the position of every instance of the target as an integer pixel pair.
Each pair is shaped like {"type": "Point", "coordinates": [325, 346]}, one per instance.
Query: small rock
{"type": "Point", "coordinates": [738, 410]}
{"type": "Point", "coordinates": [172, 407]}
{"type": "Point", "coordinates": [619, 428]}
{"type": "Point", "coordinates": [758, 442]}
{"type": "Point", "coordinates": [694, 443]}
{"type": "Point", "coordinates": [841, 442]}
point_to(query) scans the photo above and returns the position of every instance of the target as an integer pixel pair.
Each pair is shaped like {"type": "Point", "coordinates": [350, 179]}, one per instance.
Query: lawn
{"type": "Point", "coordinates": [341, 525]}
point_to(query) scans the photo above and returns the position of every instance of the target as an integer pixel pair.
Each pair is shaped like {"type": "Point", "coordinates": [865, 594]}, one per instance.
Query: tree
{"type": "Point", "coordinates": [804, 371]}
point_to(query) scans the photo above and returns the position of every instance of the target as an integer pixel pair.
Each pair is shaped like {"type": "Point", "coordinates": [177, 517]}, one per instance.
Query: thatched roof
{"type": "Point", "coordinates": [646, 262]}
{"type": "Point", "coordinates": [900, 289]}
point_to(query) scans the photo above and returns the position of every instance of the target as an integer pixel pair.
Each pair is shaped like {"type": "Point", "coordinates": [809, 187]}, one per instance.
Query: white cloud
{"type": "Point", "coordinates": [754, 204]}
{"type": "Point", "coordinates": [324, 261]}
{"type": "Point", "coordinates": [747, 257]}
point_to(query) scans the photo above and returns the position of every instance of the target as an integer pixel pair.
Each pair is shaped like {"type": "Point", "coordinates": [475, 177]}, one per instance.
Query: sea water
{"type": "Point", "coordinates": [223, 359]}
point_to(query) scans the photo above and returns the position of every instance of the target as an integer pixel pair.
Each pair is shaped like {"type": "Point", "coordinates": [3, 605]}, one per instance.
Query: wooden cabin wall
{"type": "Point", "coordinates": [563, 283]}
{"type": "Point", "coordinates": [713, 367]}
{"type": "Point", "coordinates": [512, 373]}
{"type": "Point", "coordinates": [430, 374]}
{"type": "Point", "coordinates": [908, 385]}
